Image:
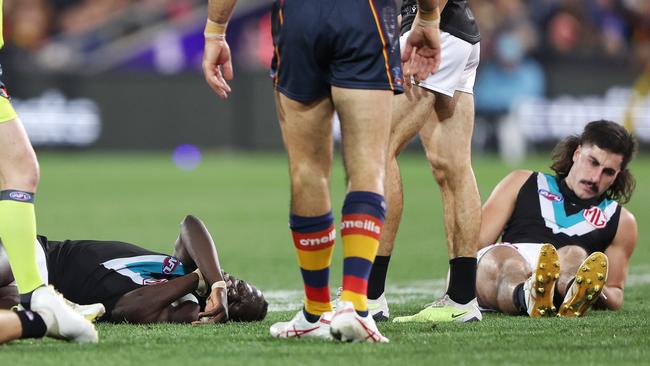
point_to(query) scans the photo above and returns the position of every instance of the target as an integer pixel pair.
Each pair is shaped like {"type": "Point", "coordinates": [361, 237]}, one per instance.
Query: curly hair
{"type": "Point", "coordinates": [245, 302]}
{"type": "Point", "coordinates": [606, 135]}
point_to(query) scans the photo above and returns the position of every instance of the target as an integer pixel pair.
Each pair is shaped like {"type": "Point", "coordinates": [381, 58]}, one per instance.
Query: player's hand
{"type": "Point", "coordinates": [421, 55]}
{"type": "Point", "coordinates": [216, 308]}
{"type": "Point", "coordinates": [217, 65]}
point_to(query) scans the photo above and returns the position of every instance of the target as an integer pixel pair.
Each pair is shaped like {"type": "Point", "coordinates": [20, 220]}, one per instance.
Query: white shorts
{"type": "Point", "coordinates": [458, 63]}
{"type": "Point", "coordinates": [529, 251]}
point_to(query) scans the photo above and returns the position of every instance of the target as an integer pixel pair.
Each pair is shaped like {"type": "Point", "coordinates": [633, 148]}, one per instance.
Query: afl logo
{"type": "Point", "coordinates": [20, 196]}
{"type": "Point", "coordinates": [169, 265]}
{"type": "Point", "coordinates": [550, 196]}
{"type": "Point", "coordinates": [596, 217]}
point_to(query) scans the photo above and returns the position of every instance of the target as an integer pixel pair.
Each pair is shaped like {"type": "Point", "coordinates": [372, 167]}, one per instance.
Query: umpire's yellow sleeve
{"type": "Point", "coordinates": [7, 112]}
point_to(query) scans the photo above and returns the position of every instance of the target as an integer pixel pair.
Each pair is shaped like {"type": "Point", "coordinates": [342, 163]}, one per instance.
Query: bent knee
{"type": "Point", "coordinates": [25, 178]}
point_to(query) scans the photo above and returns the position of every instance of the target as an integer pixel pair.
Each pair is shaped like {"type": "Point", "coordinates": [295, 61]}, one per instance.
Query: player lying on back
{"type": "Point", "coordinates": [140, 286]}
{"type": "Point", "coordinates": [578, 211]}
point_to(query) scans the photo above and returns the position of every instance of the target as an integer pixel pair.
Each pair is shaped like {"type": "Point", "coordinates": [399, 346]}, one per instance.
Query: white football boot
{"type": "Point", "coordinates": [60, 319]}
{"type": "Point", "coordinates": [378, 308]}
{"type": "Point", "coordinates": [348, 326]}
{"type": "Point", "coordinates": [91, 312]}
{"type": "Point", "coordinates": [299, 327]}
{"type": "Point", "coordinates": [540, 286]}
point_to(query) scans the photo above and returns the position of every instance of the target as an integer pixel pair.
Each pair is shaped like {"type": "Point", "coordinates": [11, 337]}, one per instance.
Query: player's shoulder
{"type": "Point", "coordinates": [517, 178]}
{"type": "Point", "coordinates": [627, 218]}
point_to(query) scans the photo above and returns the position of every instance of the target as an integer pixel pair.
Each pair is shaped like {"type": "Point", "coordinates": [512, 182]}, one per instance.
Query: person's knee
{"type": "Point", "coordinates": [449, 169]}
{"type": "Point", "coordinates": [24, 175]}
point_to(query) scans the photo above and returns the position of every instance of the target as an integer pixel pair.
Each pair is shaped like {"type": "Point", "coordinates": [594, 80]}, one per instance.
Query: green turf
{"type": "Point", "coordinates": [243, 198]}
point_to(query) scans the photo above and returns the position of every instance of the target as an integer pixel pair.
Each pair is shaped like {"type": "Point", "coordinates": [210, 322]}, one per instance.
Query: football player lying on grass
{"type": "Point", "coordinates": [577, 210]}
{"type": "Point", "coordinates": [136, 285]}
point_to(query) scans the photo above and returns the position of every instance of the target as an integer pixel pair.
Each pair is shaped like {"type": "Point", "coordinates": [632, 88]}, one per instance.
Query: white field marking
{"type": "Point", "coordinates": [421, 290]}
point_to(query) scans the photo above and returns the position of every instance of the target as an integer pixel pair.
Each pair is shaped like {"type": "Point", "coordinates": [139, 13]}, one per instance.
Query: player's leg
{"type": "Point", "coordinates": [447, 144]}
{"type": "Point", "coordinates": [20, 324]}
{"type": "Point", "coordinates": [19, 174]}
{"type": "Point", "coordinates": [307, 135]}
{"type": "Point", "coordinates": [410, 111]}
{"type": "Point", "coordinates": [365, 127]}
{"type": "Point", "coordinates": [571, 256]}
{"type": "Point", "coordinates": [499, 272]}
{"type": "Point", "coordinates": [583, 280]}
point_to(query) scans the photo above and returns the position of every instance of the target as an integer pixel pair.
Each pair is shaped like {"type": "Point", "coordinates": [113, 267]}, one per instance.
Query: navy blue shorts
{"type": "Point", "coordinates": [345, 43]}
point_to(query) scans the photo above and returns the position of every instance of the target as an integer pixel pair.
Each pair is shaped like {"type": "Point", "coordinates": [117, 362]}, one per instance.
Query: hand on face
{"type": "Point", "coordinates": [216, 308]}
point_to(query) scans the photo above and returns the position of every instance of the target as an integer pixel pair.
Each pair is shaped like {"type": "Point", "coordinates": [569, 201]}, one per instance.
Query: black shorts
{"type": "Point", "coordinates": [345, 43]}
{"type": "Point", "coordinates": [89, 271]}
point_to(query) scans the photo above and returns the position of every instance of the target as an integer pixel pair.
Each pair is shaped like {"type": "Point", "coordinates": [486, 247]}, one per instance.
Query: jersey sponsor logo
{"type": "Point", "coordinates": [595, 216]}
{"type": "Point", "coordinates": [550, 196]}
{"type": "Point", "coordinates": [361, 224]}
{"type": "Point", "coordinates": [153, 281]}
{"type": "Point", "coordinates": [314, 242]}
{"type": "Point", "coordinates": [169, 265]}
{"type": "Point", "coordinates": [20, 196]}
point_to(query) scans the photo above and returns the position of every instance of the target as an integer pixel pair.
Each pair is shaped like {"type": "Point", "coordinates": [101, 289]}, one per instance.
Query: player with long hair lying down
{"type": "Point", "coordinates": [136, 285]}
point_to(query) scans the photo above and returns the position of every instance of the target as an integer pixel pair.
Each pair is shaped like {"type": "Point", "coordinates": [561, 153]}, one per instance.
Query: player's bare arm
{"type": "Point", "coordinates": [195, 248]}
{"type": "Point", "coordinates": [217, 63]}
{"type": "Point", "coordinates": [618, 254]}
{"type": "Point", "coordinates": [153, 303]}
{"type": "Point", "coordinates": [498, 208]}
{"type": "Point", "coordinates": [421, 54]}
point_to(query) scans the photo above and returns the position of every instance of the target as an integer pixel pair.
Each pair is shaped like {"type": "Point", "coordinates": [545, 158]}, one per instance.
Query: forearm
{"type": "Point", "coordinates": [428, 6]}
{"type": "Point", "coordinates": [219, 11]}
{"type": "Point", "coordinates": [610, 299]}
{"type": "Point", "coordinates": [148, 303]}
{"type": "Point", "coordinates": [197, 242]}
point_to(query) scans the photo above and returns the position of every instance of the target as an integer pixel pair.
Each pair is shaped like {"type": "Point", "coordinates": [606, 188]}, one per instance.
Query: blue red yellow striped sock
{"type": "Point", "coordinates": [314, 239]}
{"type": "Point", "coordinates": [361, 225]}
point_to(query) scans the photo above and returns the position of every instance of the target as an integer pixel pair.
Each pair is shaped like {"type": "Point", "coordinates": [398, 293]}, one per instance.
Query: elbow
{"type": "Point", "coordinates": [189, 221]}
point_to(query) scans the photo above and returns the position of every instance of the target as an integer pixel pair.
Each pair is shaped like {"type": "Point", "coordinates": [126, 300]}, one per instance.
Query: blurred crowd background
{"type": "Point", "coordinates": [534, 54]}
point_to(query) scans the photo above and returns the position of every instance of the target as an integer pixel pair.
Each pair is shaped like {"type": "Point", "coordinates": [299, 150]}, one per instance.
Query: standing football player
{"type": "Point", "coordinates": [343, 56]}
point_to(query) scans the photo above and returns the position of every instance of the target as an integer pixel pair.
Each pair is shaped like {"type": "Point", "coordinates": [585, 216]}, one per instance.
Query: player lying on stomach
{"type": "Point", "coordinates": [578, 211]}
{"type": "Point", "coordinates": [140, 286]}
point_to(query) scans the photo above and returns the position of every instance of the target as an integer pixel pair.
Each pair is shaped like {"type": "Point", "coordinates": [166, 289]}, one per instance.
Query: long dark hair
{"type": "Point", "coordinates": [609, 136]}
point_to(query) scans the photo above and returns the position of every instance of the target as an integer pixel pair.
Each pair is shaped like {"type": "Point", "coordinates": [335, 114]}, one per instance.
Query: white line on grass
{"type": "Point", "coordinates": [424, 290]}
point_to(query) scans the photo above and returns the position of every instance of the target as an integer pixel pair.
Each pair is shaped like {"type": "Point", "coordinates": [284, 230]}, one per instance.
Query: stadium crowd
{"type": "Point", "coordinates": [617, 30]}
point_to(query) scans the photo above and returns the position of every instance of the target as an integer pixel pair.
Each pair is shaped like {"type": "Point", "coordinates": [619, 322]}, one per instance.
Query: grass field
{"type": "Point", "coordinates": [243, 199]}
